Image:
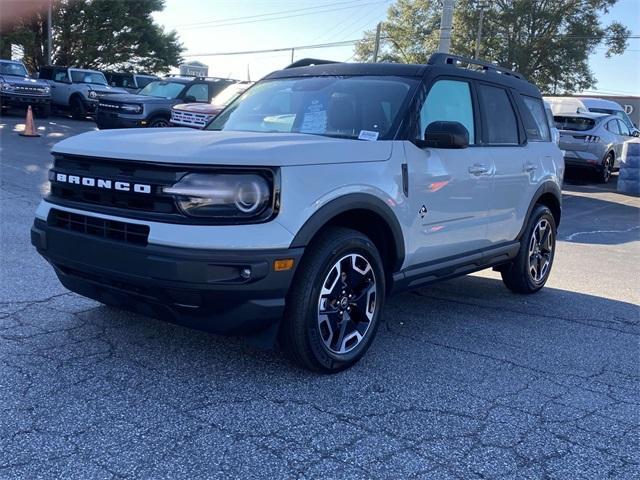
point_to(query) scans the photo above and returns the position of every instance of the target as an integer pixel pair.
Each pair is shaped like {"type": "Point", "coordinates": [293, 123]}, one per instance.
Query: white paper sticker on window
{"type": "Point", "coordinates": [315, 118]}
{"type": "Point", "coordinates": [368, 135]}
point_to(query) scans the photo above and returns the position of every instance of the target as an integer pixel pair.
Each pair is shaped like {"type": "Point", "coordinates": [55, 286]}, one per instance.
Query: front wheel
{"type": "Point", "coordinates": [159, 122]}
{"type": "Point", "coordinates": [335, 303]}
{"type": "Point", "coordinates": [78, 111]}
{"type": "Point", "coordinates": [530, 270]}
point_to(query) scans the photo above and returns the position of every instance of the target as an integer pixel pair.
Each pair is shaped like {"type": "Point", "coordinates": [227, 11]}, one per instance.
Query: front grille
{"type": "Point", "coordinates": [116, 170]}
{"type": "Point", "coordinates": [99, 227]}
{"type": "Point", "coordinates": [25, 90]}
{"type": "Point", "coordinates": [109, 107]}
{"type": "Point", "coordinates": [190, 119]}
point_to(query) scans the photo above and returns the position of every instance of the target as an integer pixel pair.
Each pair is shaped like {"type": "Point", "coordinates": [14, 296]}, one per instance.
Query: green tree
{"type": "Point", "coordinates": [101, 34]}
{"type": "Point", "coordinates": [547, 41]}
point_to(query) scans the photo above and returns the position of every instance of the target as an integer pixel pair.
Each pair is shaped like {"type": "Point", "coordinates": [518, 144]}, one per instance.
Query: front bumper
{"type": "Point", "coordinates": [195, 287]}
{"type": "Point", "coordinates": [106, 120]}
{"type": "Point", "coordinates": [17, 100]}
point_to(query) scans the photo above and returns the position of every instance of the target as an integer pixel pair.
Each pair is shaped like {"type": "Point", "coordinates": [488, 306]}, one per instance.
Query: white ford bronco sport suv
{"type": "Point", "coordinates": [317, 193]}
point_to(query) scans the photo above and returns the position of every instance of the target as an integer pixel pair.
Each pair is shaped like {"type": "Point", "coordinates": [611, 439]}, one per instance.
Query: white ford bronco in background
{"type": "Point", "coordinates": [317, 193]}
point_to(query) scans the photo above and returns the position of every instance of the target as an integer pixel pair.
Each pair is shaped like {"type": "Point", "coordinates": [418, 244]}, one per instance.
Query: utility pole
{"type": "Point", "coordinates": [292, 52]}
{"type": "Point", "coordinates": [479, 35]}
{"type": "Point", "coordinates": [445, 26]}
{"type": "Point", "coordinates": [49, 34]}
{"type": "Point", "coordinates": [376, 47]}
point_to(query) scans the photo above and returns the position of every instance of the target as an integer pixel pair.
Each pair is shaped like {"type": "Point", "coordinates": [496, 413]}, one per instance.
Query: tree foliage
{"type": "Point", "coordinates": [547, 41]}
{"type": "Point", "coordinates": [101, 34]}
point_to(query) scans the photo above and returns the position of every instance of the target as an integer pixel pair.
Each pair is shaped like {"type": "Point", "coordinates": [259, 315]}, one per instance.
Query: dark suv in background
{"type": "Point", "coordinates": [131, 82]}
{"type": "Point", "coordinates": [151, 107]}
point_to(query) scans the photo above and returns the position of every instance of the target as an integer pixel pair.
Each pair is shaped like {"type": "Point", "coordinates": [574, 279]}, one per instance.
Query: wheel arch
{"type": "Point", "coordinates": [549, 195]}
{"type": "Point", "coordinates": [365, 213]}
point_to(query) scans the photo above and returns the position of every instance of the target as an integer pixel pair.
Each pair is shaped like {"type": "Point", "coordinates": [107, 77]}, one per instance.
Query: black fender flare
{"type": "Point", "coordinates": [548, 186]}
{"type": "Point", "coordinates": [353, 201]}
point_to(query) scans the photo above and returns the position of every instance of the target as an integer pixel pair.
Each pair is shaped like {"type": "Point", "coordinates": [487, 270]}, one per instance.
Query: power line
{"type": "Point", "coordinates": [343, 43]}
{"type": "Point", "coordinates": [283, 17]}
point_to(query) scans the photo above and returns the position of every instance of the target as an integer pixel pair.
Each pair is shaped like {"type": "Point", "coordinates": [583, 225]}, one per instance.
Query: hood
{"type": "Point", "coordinates": [134, 98]}
{"type": "Point", "coordinates": [26, 81]}
{"type": "Point", "coordinates": [107, 90]}
{"type": "Point", "coordinates": [205, 108]}
{"type": "Point", "coordinates": [188, 146]}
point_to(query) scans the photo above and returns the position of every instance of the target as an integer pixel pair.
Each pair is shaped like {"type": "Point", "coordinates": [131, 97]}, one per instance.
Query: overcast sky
{"type": "Point", "coordinates": [218, 26]}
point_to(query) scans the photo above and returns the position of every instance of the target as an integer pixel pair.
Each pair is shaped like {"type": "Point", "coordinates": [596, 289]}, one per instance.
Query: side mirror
{"type": "Point", "coordinates": [189, 99]}
{"type": "Point", "coordinates": [445, 135]}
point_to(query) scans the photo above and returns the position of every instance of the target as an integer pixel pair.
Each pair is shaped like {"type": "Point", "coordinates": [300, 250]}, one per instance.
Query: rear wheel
{"type": "Point", "coordinates": [530, 270]}
{"type": "Point", "coordinates": [604, 175]}
{"type": "Point", "coordinates": [335, 303]}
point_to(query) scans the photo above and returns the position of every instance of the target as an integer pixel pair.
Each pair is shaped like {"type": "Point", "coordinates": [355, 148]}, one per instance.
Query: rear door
{"type": "Point", "coordinates": [449, 189]}
{"type": "Point", "coordinates": [515, 163]}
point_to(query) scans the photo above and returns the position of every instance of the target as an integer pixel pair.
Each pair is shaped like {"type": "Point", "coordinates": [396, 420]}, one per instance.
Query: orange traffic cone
{"type": "Point", "coordinates": [29, 125]}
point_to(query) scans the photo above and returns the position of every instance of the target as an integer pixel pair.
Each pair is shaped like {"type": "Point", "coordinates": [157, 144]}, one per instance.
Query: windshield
{"type": "Point", "coordinates": [229, 93]}
{"type": "Point", "coordinates": [16, 69]}
{"type": "Point", "coordinates": [163, 89]}
{"type": "Point", "coordinates": [347, 107]}
{"type": "Point", "coordinates": [578, 124]}
{"type": "Point", "coordinates": [87, 76]}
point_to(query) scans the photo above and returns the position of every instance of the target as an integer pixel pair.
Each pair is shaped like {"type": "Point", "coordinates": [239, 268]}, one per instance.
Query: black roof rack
{"type": "Point", "coordinates": [306, 62]}
{"type": "Point", "coordinates": [197, 77]}
{"type": "Point", "coordinates": [471, 64]}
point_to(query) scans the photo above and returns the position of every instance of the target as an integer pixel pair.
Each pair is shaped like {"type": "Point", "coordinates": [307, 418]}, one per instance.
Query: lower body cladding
{"type": "Point", "coordinates": [227, 292]}
{"type": "Point", "coordinates": [41, 104]}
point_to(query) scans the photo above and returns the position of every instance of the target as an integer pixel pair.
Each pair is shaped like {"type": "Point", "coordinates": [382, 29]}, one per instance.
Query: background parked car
{"type": "Point", "coordinates": [17, 89]}
{"type": "Point", "coordinates": [76, 90]}
{"type": "Point", "coordinates": [197, 115]}
{"type": "Point", "coordinates": [131, 82]}
{"type": "Point", "coordinates": [592, 140]}
{"type": "Point", "coordinates": [562, 105]}
{"type": "Point", "coordinates": [152, 106]}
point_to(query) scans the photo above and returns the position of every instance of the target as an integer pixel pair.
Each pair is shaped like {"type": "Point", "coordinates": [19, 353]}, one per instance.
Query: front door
{"type": "Point", "coordinates": [449, 189]}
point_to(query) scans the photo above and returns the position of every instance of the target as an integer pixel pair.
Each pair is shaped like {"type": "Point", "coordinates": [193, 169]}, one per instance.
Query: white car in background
{"type": "Point", "coordinates": [568, 105]}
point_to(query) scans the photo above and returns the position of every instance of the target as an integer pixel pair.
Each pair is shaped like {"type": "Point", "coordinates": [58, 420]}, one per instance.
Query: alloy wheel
{"type": "Point", "coordinates": [347, 304]}
{"type": "Point", "coordinates": [606, 169]}
{"type": "Point", "coordinates": [540, 251]}
{"type": "Point", "coordinates": [160, 124]}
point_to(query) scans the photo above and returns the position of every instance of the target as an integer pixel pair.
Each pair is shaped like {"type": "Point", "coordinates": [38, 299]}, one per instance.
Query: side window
{"type": "Point", "coordinates": [535, 120]}
{"type": "Point", "coordinates": [60, 75]}
{"type": "Point", "coordinates": [500, 119]}
{"type": "Point", "coordinates": [612, 126]}
{"type": "Point", "coordinates": [199, 91]}
{"type": "Point", "coordinates": [449, 101]}
{"type": "Point", "coordinates": [624, 130]}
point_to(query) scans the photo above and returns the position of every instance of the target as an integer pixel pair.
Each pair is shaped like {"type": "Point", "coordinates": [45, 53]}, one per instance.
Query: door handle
{"type": "Point", "coordinates": [530, 167]}
{"type": "Point", "coordinates": [478, 170]}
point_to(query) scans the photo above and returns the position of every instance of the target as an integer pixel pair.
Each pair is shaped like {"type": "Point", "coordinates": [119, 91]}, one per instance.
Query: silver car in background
{"type": "Point", "coordinates": [592, 140]}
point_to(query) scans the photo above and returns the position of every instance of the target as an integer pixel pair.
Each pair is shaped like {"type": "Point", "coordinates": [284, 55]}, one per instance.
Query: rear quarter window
{"type": "Point", "coordinates": [578, 124]}
{"type": "Point", "coordinates": [535, 120]}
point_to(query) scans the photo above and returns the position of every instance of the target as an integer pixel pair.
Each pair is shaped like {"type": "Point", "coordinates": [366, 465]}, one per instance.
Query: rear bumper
{"type": "Point", "coordinates": [199, 288]}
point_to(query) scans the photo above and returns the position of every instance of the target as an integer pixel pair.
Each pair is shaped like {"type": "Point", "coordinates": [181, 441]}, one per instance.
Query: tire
{"type": "Point", "coordinates": [43, 111]}
{"type": "Point", "coordinates": [522, 276]}
{"type": "Point", "coordinates": [158, 122]}
{"type": "Point", "coordinates": [328, 343]}
{"type": "Point", "coordinates": [78, 112]}
{"type": "Point", "coordinates": [605, 171]}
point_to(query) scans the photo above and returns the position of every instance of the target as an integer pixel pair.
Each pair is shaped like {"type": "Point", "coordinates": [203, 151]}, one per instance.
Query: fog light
{"type": "Point", "coordinates": [283, 265]}
{"type": "Point", "coordinates": [245, 273]}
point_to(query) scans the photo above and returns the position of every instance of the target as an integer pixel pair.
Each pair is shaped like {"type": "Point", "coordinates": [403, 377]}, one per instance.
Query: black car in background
{"type": "Point", "coordinates": [151, 107]}
{"type": "Point", "coordinates": [131, 82]}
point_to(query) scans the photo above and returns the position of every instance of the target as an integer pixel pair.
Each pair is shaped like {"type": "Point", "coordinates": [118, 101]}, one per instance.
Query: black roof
{"type": "Point", "coordinates": [439, 64]}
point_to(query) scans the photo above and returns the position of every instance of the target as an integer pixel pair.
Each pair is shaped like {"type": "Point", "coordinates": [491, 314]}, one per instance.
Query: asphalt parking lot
{"type": "Point", "coordinates": [467, 380]}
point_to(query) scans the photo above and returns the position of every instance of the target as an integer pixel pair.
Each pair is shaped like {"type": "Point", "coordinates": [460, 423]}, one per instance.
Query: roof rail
{"type": "Point", "coordinates": [471, 64]}
{"type": "Point", "coordinates": [196, 77]}
{"type": "Point", "coordinates": [305, 62]}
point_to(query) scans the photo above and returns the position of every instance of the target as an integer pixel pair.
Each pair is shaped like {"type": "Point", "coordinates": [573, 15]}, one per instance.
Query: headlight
{"type": "Point", "coordinates": [6, 87]}
{"type": "Point", "coordinates": [92, 94]}
{"type": "Point", "coordinates": [46, 90]}
{"type": "Point", "coordinates": [229, 196]}
{"type": "Point", "coordinates": [131, 108]}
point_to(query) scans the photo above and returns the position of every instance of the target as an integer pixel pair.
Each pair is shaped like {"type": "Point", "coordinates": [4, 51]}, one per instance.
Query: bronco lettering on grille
{"type": "Point", "coordinates": [100, 183]}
